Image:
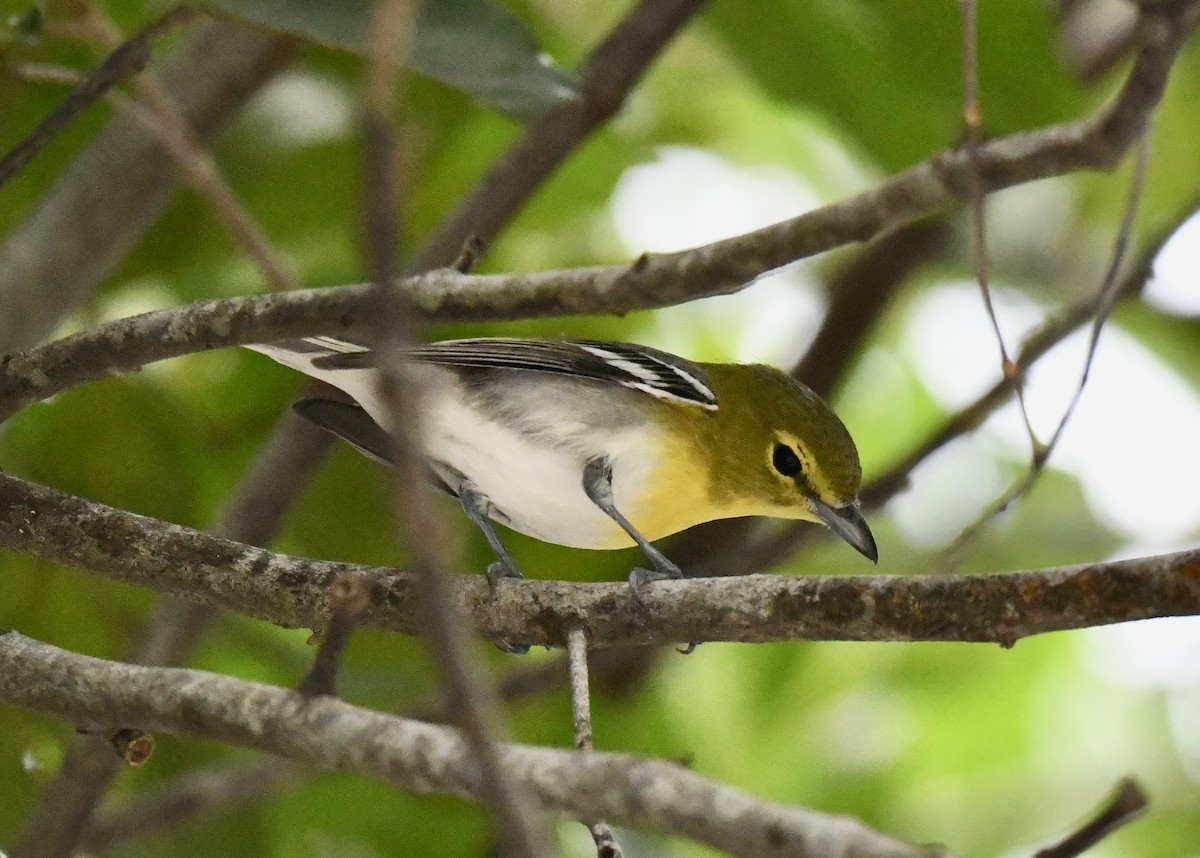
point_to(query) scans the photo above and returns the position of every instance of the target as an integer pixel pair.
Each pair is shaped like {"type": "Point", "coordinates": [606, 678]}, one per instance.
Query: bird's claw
{"type": "Point", "coordinates": [509, 648]}
{"type": "Point", "coordinates": [497, 571]}
{"type": "Point", "coordinates": [641, 576]}
{"type": "Point", "coordinates": [501, 569]}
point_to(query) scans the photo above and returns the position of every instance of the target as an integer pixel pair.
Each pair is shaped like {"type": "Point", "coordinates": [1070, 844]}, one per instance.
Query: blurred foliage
{"type": "Point", "coordinates": [507, 69]}
{"type": "Point", "coordinates": [990, 751]}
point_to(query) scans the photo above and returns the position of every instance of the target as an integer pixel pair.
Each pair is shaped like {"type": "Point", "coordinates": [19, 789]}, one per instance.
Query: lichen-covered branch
{"type": "Point", "coordinates": [294, 592]}
{"type": "Point", "coordinates": [421, 757]}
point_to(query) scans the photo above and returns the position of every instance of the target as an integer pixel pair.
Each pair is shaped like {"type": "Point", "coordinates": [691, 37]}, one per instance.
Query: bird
{"type": "Point", "coordinates": [598, 444]}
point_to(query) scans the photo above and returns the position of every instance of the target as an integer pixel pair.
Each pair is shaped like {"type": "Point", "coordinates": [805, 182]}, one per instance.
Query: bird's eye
{"type": "Point", "coordinates": [786, 461]}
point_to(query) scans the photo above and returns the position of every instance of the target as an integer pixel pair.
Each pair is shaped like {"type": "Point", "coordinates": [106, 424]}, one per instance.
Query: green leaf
{"type": "Point", "coordinates": [476, 46]}
{"type": "Point", "coordinates": [889, 72]}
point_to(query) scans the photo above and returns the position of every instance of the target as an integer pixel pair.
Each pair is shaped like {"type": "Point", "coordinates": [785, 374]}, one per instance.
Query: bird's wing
{"type": "Point", "coordinates": [633, 366]}
{"type": "Point", "coordinates": [349, 422]}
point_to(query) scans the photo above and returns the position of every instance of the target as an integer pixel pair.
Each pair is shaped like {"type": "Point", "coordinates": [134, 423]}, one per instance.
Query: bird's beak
{"type": "Point", "coordinates": [848, 523]}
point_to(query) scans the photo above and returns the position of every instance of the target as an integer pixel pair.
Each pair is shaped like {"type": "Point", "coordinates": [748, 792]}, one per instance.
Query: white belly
{"type": "Point", "coordinates": [535, 486]}
{"type": "Point", "coordinates": [533, 477]}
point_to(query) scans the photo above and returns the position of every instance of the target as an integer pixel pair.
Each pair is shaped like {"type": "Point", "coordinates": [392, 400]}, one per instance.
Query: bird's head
{"type": "Point", "coordinates": [793, 455]}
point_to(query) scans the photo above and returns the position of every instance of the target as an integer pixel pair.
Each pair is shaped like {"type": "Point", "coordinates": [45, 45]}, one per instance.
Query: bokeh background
{"type": "Point", "coordinates": [756, 113]}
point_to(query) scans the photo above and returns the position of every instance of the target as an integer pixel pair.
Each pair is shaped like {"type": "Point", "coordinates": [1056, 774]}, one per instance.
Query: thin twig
{"type": "Point", "coordinates": [1127, 803]}
{"type": "Point", "coordinates": [973, 119]}
{"type": "Point", "coordinates": [348, 598]}
{"type": "Point", "coordinates": [577, 672]}
{"type": "Point", "coordinates": [93, 214]}
{"type": "Point", "coordinates": [581, 711]}
{"type": "Point", "coordinates": [162, 118]}
{"type": "Point", "coordinates": [860, 292]}
{"type": "Point", "coordinates": [1110, 290]}
{"type": "Point", "coordinates": [125, 59]}
{"type": "Point", "coordinates": [472, 251]}
{"type": "Point", "coordinates": [472, 698]}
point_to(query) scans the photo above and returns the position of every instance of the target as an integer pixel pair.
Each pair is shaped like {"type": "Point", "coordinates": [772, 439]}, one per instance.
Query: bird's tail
{"type": "Point", "coordinates": [300, 353]}
{"type": "Point", "coordinates": [304, 355]}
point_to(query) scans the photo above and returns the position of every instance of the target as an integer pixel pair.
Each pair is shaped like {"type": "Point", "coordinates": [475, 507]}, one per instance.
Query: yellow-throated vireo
{"type": "Point", "coordinates": [597, 444]}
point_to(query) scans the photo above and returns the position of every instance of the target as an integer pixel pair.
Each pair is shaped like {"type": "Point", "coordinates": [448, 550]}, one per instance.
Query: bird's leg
{"type": "Point", "coordinates": [475, 503]}
{"type": "Point", "coordinates": [597, 484]}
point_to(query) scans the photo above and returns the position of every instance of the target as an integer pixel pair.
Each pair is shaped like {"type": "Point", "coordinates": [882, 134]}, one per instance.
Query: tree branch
{"type": "Point", "coordinates": [859, 293]}
{"type": "Point", "coordinates": [420, 757]}
{"type": "Point", "coordinates": [251, 515]}
{"type": "Point", "coordinates": [294, 592]}
{"type": "Point", "coordinates": [652, 281]}
{"type": "Point", "coordinates": [581, 710]}
{"type": "Point", "coordinates": [1127, 803]}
